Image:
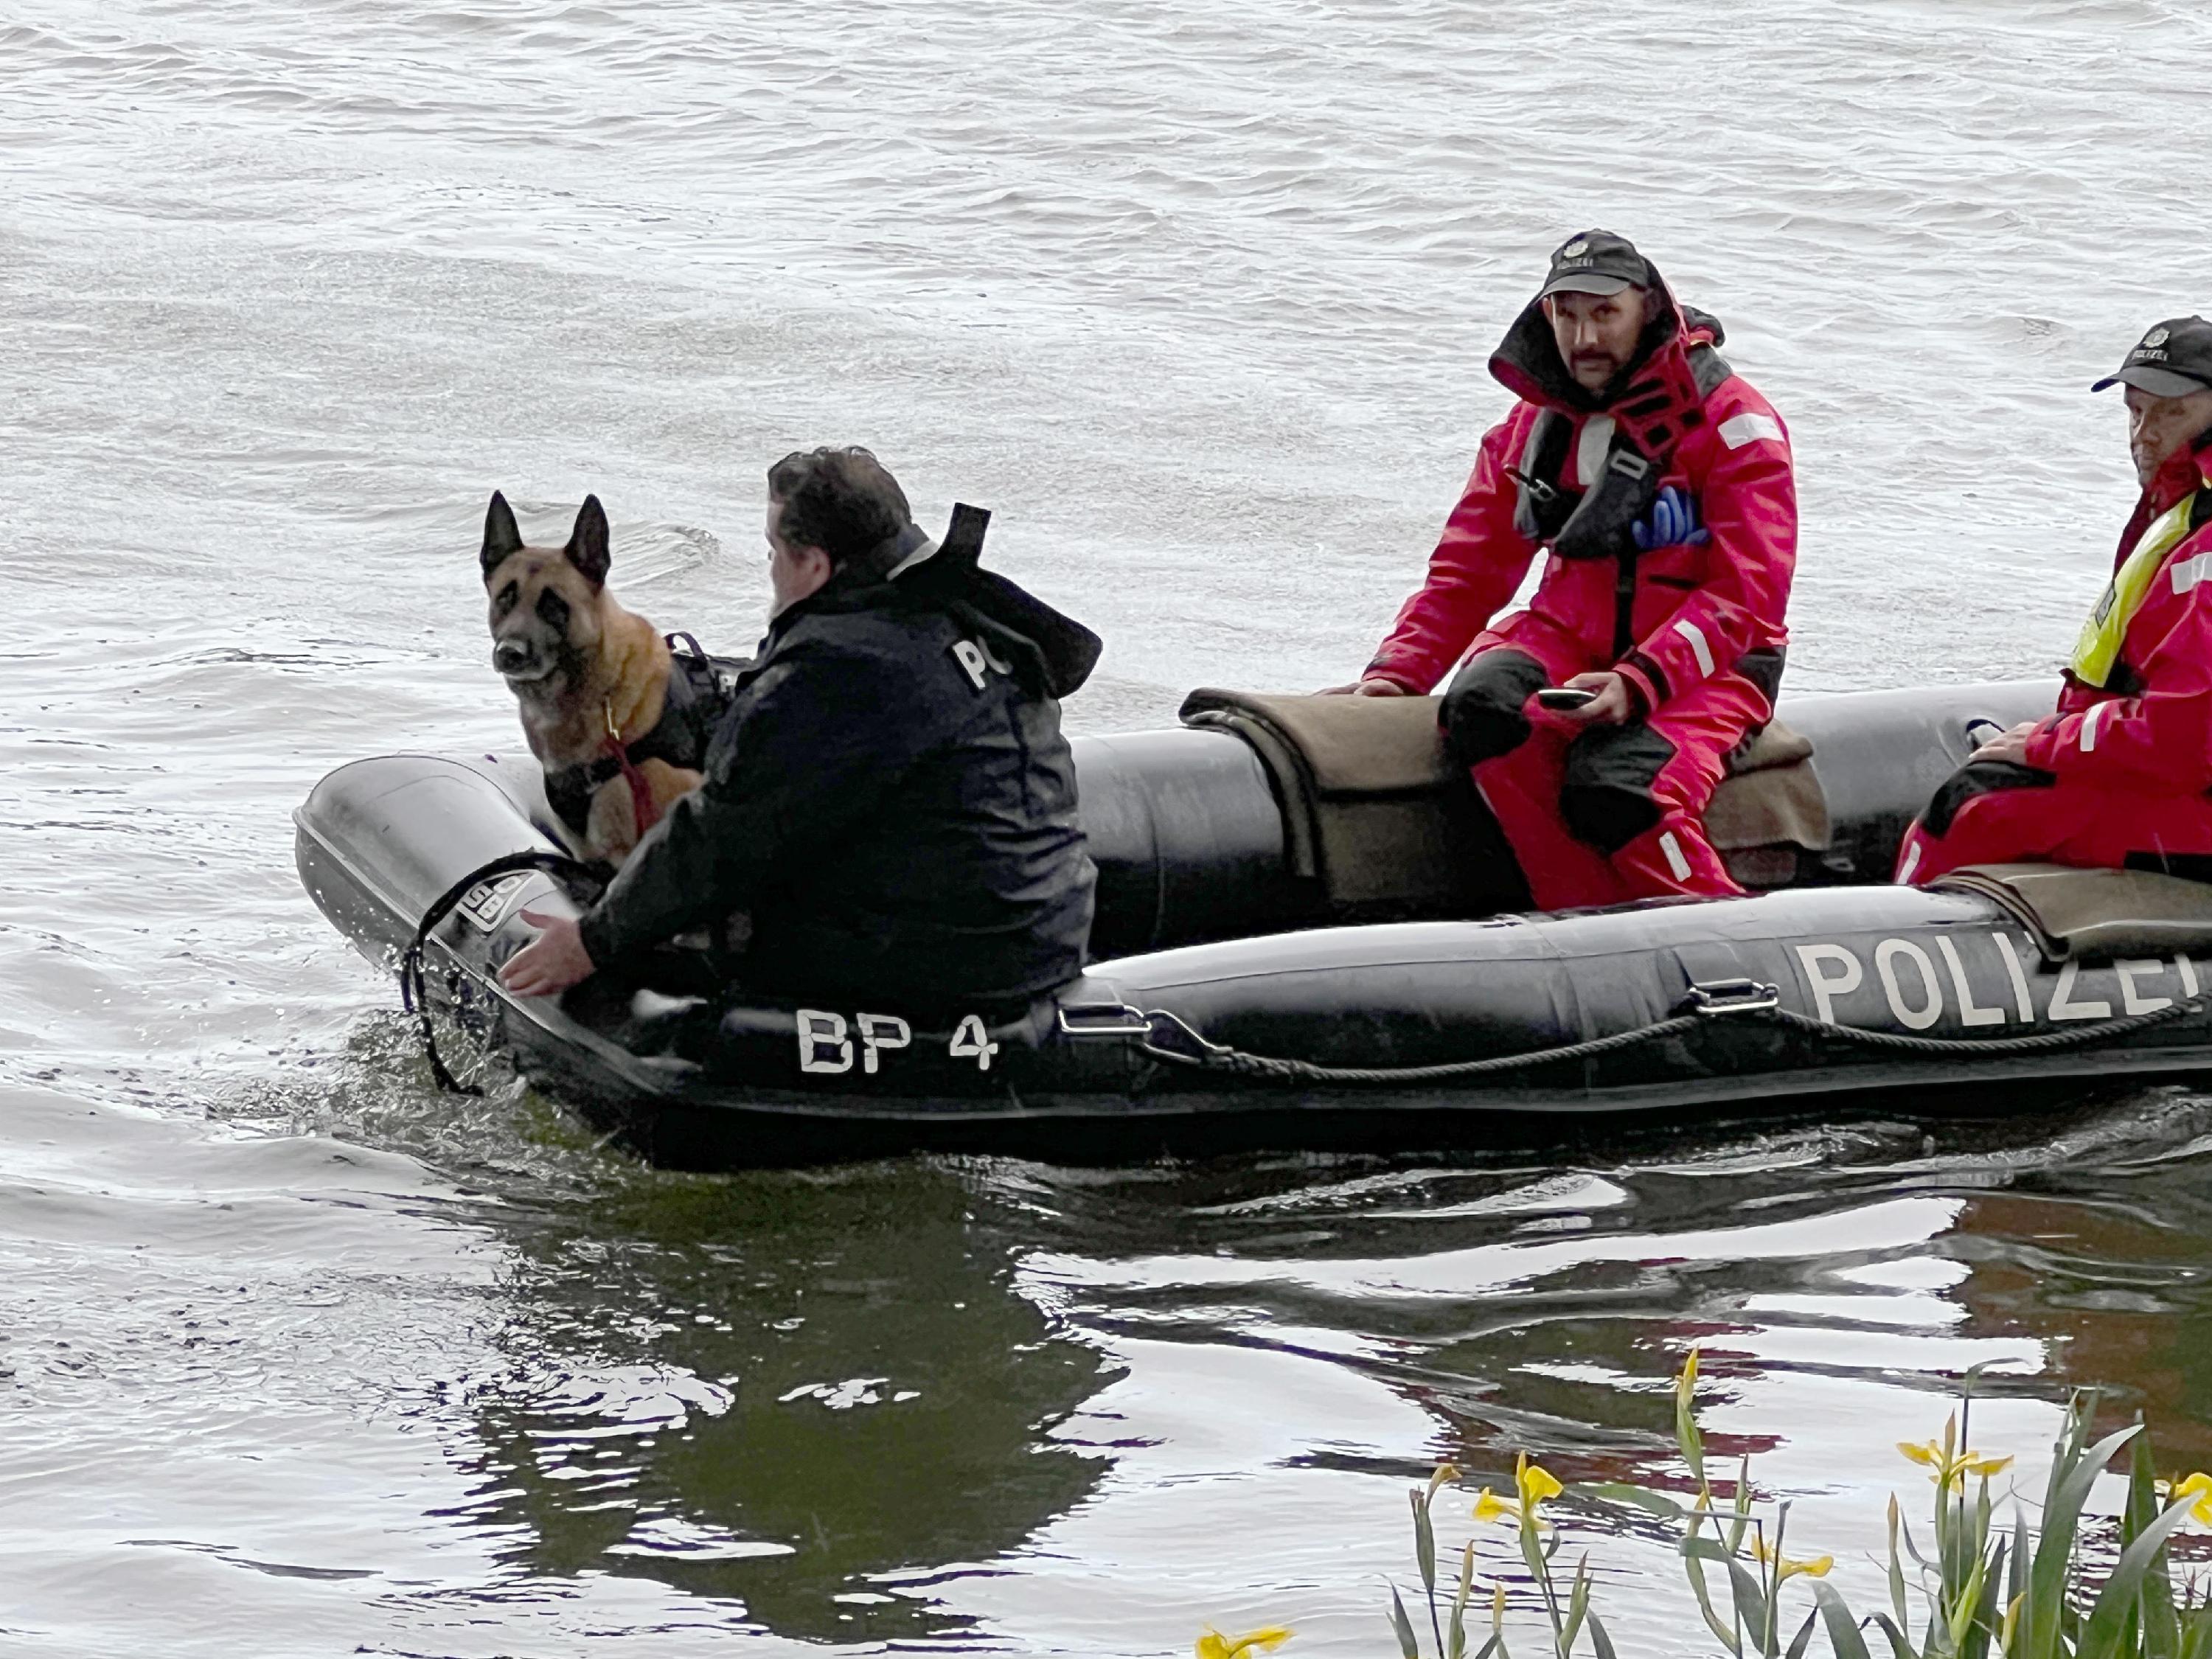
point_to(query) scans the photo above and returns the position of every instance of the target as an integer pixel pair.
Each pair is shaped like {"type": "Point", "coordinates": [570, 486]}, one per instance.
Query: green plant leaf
{"type": "Point", "coordinates": [1803, 1639]}
{"type": "Point", "coordinates": [1693, 1569]}
{"type": "Point", "coordinates": [2107, 1630]}
{"type": "Point", "coordinates": [1455, 1632]}
{"type": "Point", "coordinates": [1599, 1639]}
{"type": "Point", "coordinates": [2160, 1627]}
{"type": "Point", "coordinates": [1898, 1645]}
{"type": "Point", "coordinates": [2073, 1473]}
{"type": "Point", "coordinates": [1750, 1600]}
{"type": "Point", "coordinates": [1843, 1629]}
{"type": "Point", "coordinates": [1577, 1608]}
{"type": "Point", "coordinates": [1408, 1645]}
{"type": "Point", "coordinates": [1425, 1542]}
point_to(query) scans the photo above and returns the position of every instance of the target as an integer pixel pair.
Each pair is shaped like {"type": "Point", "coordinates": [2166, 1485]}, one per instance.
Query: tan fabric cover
{"type": "Point", "coordinates": [2096, 915]}
{"type": "Point", "coordinates": [1367, 792]}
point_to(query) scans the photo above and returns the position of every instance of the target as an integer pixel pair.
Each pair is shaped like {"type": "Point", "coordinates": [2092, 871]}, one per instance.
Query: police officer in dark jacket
{"type": "Point", "coordinates": [889, 798]}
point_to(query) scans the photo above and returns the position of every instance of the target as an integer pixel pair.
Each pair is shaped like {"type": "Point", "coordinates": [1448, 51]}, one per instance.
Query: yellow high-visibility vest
{"type": "Point", "coordinates": [2098, 650]}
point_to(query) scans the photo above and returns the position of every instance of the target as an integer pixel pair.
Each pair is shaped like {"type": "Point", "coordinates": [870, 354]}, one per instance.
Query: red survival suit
{"type": "Point", "coordinates": [1599, 815]}
{"type": "Point", "coordinates": [2116, 778]}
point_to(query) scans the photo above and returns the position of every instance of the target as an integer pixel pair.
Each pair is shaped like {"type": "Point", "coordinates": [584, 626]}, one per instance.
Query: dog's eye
{"type": "Point", "coordinates": [508, 595]}
{"type": "Point", "coordinates": [552, 610]}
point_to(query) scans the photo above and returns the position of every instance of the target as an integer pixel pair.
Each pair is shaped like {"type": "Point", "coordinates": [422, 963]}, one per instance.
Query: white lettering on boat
{"type": "Point", "coordinates": [971, 1041]}
{"type": "Point", "coordinates": [1968, 1013]}
{"type": "Point", "coordinates": [2062, 1006]}
{"type": "Point", "coordinates": [1886, 958]}
{"type": "Point", "coordinates": [1918, 996]}
{"type": "Point", "coordinates": [2132, 1001]}
{"type": "Point", "coordinates": [1826, 989]}
{"type": "Point", "coordinates": [827, 1044]}
{"type": "Point", "coordinates": [878, 1032]}
{"type": "Point", "coordinates": [819, 1030]}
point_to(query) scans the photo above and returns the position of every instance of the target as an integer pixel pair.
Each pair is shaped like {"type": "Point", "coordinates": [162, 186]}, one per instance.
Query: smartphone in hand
{"type": "Point", "coordinates": [1562, 698]}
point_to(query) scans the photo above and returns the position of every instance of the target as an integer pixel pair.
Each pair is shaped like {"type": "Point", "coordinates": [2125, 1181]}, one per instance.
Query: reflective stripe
{"type": "Point", "coordinates": [2191, 572]}
{"type": "Point", "coordinates": [1911, 863]}
{"type": "Point", "coordinates": [1591, 449]}
{"type": "Point", "coordinates": [1691, 632]}
{"type": "Point", "coordinates": [1740, 429]}
{"type": "Point", "coordinates": [2089, 725]}
{"type": "Point", "coordinates": [2098, 651]}
{"type": "Point", "coordinates": [1675, 861]}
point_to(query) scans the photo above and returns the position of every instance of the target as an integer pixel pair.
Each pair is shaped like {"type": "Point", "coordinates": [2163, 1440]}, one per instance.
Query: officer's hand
{"type": "Point", "coordinates": [1613, 706]}
{"type": "Point", "coordinates": [550, 964]}
{"type": "Point", "coordinates": [1672, 522]}
{"type": "Point", "coordinates": [2008, 745]}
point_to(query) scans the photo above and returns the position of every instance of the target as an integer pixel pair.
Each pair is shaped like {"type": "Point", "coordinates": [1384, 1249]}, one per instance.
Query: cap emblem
{"type": "Point", "coordinates": [2155, 338]}
{"type": "Point", "coordinates": [1576, 249]}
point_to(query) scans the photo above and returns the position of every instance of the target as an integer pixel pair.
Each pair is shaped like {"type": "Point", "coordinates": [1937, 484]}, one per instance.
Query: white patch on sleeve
{"type": "Point", "coordinates": [1740, 429]}
{"type": "Point", "coordinates": [2192, 573]}
{"type": "Point", "coordinates": [1696, 636]}
{"type": "Point", "coordinates": [1591, 449]}
{"type": "Point", "coordinates": [2089, 725]}
{"type": "Point", "coordinates": [1675, 861]}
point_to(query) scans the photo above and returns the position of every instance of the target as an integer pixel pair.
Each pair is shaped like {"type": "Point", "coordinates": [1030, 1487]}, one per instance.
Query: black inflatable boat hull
{"type": "Point", "coordinates": [1190, 844]}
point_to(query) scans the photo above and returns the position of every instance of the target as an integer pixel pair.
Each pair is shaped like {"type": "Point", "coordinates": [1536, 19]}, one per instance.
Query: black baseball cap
{"type": "Point", "coordinates": [2171, 360]}
{"type": "Point", "coordinates": [1595, 262]}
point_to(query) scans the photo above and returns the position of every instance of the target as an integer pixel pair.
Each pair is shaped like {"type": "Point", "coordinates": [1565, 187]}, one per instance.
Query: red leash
{"type": "Point", "coordinates": [641, 792]}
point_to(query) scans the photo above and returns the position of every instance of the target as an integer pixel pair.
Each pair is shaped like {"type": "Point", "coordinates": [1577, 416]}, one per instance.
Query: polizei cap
{"type": "Point", "coordinates": [2171, 360]}
{"type": "Point", "coordinates": [1595, 262]}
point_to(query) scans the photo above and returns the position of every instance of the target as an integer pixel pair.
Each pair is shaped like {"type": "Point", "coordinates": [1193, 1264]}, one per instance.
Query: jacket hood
{"type": "Point", "coordinates": [1527, 362]}
{"type": "Point", "coordinates": [1051, 652]}
{"type": "Point", "coordinates": [1660, 392]}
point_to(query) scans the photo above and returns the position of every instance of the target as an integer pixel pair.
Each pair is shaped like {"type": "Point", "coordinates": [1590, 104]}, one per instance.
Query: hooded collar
{"type": "Point", "coordinates": [2185, 472]}
{"type": "Point", "coordinates": [1655, 398]}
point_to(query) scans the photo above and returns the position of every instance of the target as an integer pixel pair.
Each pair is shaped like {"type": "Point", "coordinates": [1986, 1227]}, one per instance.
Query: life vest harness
{"type": "Point", "coordinates": [2097, 660]}
{"type": "Point", "coordinates": [1594, 516]}
{"type": "Point", "coordinates": [698, 692]}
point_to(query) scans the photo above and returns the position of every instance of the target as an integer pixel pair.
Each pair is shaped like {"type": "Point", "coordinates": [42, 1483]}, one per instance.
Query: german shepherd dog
{"type": "Point", "coordinates": [593, 683]}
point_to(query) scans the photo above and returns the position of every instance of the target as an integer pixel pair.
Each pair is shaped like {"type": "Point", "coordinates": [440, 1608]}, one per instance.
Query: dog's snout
{"type": "Point", "coordinates": [509, 656]}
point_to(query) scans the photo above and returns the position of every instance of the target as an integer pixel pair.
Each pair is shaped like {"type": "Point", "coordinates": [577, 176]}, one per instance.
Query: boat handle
{"type": "Point", "coordinates": [1103, 1019]}
{"type": "Point", "coordinates": [1733, 996]}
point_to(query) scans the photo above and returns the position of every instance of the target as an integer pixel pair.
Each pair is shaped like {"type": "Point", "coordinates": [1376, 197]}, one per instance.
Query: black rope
{"type": "Point", "coordinates": [2042, 1042]}
{"type": "Point", "coordinates": [1217, 1057]}
{"type": "Point", "coordinates": [414, 988]}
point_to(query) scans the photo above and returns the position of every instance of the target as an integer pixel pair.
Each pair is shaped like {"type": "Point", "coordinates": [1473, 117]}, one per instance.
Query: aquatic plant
{"type": "Point", "coordinates": [1978, 1590]}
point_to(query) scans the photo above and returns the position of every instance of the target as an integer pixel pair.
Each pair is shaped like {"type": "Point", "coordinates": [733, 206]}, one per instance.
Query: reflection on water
{"type": "Point", "coordinates": [818, 1398]}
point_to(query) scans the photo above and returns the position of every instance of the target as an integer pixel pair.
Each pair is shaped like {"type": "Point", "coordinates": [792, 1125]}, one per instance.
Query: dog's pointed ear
{"type": "Point", "coordinates": [587, 541]}
{"type": "Point", "coordinates": [500, 536]}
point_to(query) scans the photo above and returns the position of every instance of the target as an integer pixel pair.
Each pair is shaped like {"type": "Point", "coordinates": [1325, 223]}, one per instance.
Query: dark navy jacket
{"type": "Point", "coordinates": [889, 798]}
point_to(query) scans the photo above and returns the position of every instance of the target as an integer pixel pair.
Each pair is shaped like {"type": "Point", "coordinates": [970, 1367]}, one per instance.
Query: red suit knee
{"type": "Point", "coordinates": [1597, 815]}
{"type": "Point", "coordinates": [1995, 812]}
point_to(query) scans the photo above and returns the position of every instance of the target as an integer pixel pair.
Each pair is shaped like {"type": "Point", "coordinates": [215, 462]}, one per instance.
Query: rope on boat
{"type": "Point", "coordinates": [414, 986]}
{"type": "Point", "coordinates": [1215, 1057]}
{"type": "Point", "coordinates": [1737, 999]}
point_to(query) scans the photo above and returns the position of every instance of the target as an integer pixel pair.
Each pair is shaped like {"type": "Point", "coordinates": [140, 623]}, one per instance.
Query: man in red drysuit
{"type": "Point", "coordinates": [2117, 776]}
{"type": "Point", "coordinates": [1631, 429]}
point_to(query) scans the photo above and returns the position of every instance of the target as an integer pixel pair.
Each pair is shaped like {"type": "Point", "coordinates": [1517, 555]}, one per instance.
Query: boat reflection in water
{"type": "Point", "coordinates": [814, 1396]}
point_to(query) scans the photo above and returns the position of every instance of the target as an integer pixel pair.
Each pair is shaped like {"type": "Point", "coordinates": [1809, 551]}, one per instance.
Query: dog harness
{"type": "Point", "coordinates": [698, 692]}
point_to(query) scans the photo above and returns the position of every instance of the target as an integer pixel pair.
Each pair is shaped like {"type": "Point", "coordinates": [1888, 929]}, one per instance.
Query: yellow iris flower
{"type": "Point", "coordinates": [1535, 1486]}
{"type": "Point", "coordinates": [1214, 1645]}
{"type": "Point", "coordinates": [1951, 1461]}
{"type": "Point", "coordinates": [1816, 1568]}
{"type": "Point", "coordinates": [2199, 1487]}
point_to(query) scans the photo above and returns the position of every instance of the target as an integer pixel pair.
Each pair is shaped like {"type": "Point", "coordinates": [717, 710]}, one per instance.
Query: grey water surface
{"type": "Point", "coordinates": [299, 1357]}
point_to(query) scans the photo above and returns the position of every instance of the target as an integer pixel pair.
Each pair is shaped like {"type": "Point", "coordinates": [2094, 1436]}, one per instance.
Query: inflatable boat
{"type": "Point", "coordinates": [1309, 935]}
